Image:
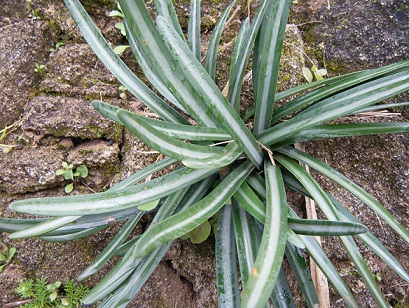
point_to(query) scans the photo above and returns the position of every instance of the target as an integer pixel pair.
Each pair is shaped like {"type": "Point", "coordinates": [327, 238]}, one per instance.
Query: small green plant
{"type": "Point", "coordinates": [72, 174]}
{"type": "Point", "coordinates": [42, 294]}
{"type": "Point", "coordinates": [122, 92]}
{"type": "Point", "coordinates": [6, 255]}
{"type": "Point", "coordinates": [58, 45]}
{"type": "Point", "coordinates": [120, 49]}
{"type": "Point", "coordinates": [223, 168]}
{"type": "Point", "coordinates": [40, 69]}
{"type": "Point", "coordinates": [309, 74]}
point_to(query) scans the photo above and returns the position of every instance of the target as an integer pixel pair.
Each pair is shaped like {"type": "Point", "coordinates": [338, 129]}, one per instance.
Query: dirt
{"type": "Point", "coordinates": [53, 121]}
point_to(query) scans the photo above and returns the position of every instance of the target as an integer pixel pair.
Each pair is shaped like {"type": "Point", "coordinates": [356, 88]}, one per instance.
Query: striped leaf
{"type": "Point", "coordinates": [334, 86]}
{"type": "Point", "coordinates": [193, 29]}
{"type": "Point", "coordinates": [350, 186]}
{"type": "Point", "coordinates": [112, 61]}
{"type": "Point", "coordinates": [266, 60]}
{"type": "Point", "coordinates": [213, 47]}
{"type": "Point", "coordinates": [325, 227]}
{"type": "Point", "coordinates": [271, 252]}
{"type": "Point", "coordinates": [188, 219]}
{"type": "Point", "coordinates": [241, 55]}
{"type": "Point", "coordinates": [179, 131]}
{"type": "Point", "coordinates": [161, 142]}
{"type": "Point", "coordinates": [143, 30]}
{"type": "Point", "coordinates": [110, 201]}
{"type": "Point", "coordinates": [228, 294]}
{"type": "Point", "coordinates": [338, 105]}
{"type": "Point", "coordinates": [212, 96]}
{"type": "Point", "coordinates": [43, 227]}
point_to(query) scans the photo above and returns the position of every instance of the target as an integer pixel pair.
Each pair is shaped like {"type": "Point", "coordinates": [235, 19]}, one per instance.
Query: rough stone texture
{"type": "Point", "coordinates": [30, 170]}
{"type": "Point", "coordinates": [22, 44]}
{"type": "Point", "coordinates": [94, 82]}
{"type": "Point", "coordinates": [356, 34]}
{"type": "Point", "coordinates": [61, 116]}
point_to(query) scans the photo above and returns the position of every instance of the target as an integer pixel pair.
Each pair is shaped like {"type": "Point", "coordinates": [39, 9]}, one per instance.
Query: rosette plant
{"type": "Point", "coordinates": [233, 163]}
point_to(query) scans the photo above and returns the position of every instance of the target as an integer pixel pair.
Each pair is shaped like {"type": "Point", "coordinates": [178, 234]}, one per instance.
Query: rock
{"type": "Point", "coordinates": [22, 45]}
{"type": "Point", "coordinates": [12, 11]}
{"type": "Point", "coordinates": [75, 69]}
{"type": "Point", "coordinates": [30, 169]}
{"type": "Point", "coordinates": [56, 14]}
{"type": "Point", "coordinates": [356, 34]}
{"type": "Point", "coordinates": [60, 116]}
{"type": "Point", "coordinates": [94, 153]}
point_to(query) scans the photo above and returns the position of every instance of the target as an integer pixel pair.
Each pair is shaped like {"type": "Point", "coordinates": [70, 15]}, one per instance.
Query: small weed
{"type": "Point", "coordinates": [42, 294]}
{"type": "Point", "coordinates": [40, 69]}
{"type": "Point", "coordinates": [122, 91]}
{"type": "Point", "coordinates": [58, 45]}
{"type": "Point", "coordinates": [72, 174]}
{"type": "Point", "coordinates": [120, 25]}
{"type": "Point", "coordinates": [6, 255]}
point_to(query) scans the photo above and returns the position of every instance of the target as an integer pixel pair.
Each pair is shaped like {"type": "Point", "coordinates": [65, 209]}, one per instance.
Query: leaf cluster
{"type": "Point", "coordinates": [42, 294]}
{"type": "Point", "coordinates": [223, 168]}
{"type": "Point", "coordinates": [72, 174]}
{"type": "Point", "coordinates": [6, 255]}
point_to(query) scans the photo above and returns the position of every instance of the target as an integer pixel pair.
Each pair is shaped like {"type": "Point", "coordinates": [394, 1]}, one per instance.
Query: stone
{"type": "Point", "coordinates": [61, 116]}
{"type": "Point", "coordinates": [22, 45]}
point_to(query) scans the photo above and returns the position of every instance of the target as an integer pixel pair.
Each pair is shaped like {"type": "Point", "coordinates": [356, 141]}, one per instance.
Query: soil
{"type": "Point", "coordinates": [51, 120]}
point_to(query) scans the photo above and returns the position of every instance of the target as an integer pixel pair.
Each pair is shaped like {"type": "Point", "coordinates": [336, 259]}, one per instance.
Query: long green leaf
{"type": "Point", "coordinates": [228, 294]}
{"type": "Point", "coordinates": [333, 87]}
{"type": "Point", "coordinates": [227, 156]}
{"type": "Point", "coordinates": [268, 54]}
{"type": "Point", "coordinates": [71, 236]}
{"type": "Point", "coordinates": [215, 101]}
{"type": "Point", "coordinates": [127, 266]}
{"type": "Point", "coordinates": [142, 267]}
{"type": "Point", "coordinates": [325, 227]}
{"type": "Point", "coordinates": [161, 142]}
{"type": "Point", "coordinates": [281, 296]}
{"type": "Point", "coordinates": [341, 104]}
{"type": "Point", "coordinates": [271, 252]}
{"type": "Point", "coordinates": [143, 30]}
{"type": "Point", "coordinates": [112, 61]}
{"type": "Point", "coordinates": [10, 225]}
{"type": "Point", "coordinates": [192, 217]}
{"type": "Point", "coordinates": [43, 227]}
{"type": "Point", "coordinates": [179, 131]}
{"type": "Point", "coordinates": [250, 202]}
{"type": "Point", "coordinates": [193, 29]}
{"type": "Point", "coordinates": [367, 238]}
{"type": "Point", "coordinates": [363, 270]}
{"type": "Point", "coordinates": [166, 9]}
{"type": "Point", "coordinates": [212, 48]}
{"type": "Point", "coordinates": [372, 242]}
{"type": "Point", "coordinates": [109, 250]}
{"type": "Point", "coordinates": [318, 254]}
{"type": "Point", "coordinates": [348, 130]}
{"type": "Point", "coordinates": [143, 174]}
{"type": "Point", "coordinates": [350, 186]}
{"type": "Point", "coordinates": [124, 294]}
{"type": "Point", "coordinates": [153, 76]}
{"type": "Point", "coordinates": [317, 193]}
{"type": "Point", "coordinates": [113, 200]}
{"type": "Point", "coordinates": [241, 57]}
{"type": "Point", "coordinates": [383, 107]}
{"type": "Point", "coordinates": [301, 270]}
{"type": "Point", "coordinates": [331, 212]}
{"type": "Point", "coordinates": [247, 240]}
{"type": "Point", "coordinates": [236, 59]}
